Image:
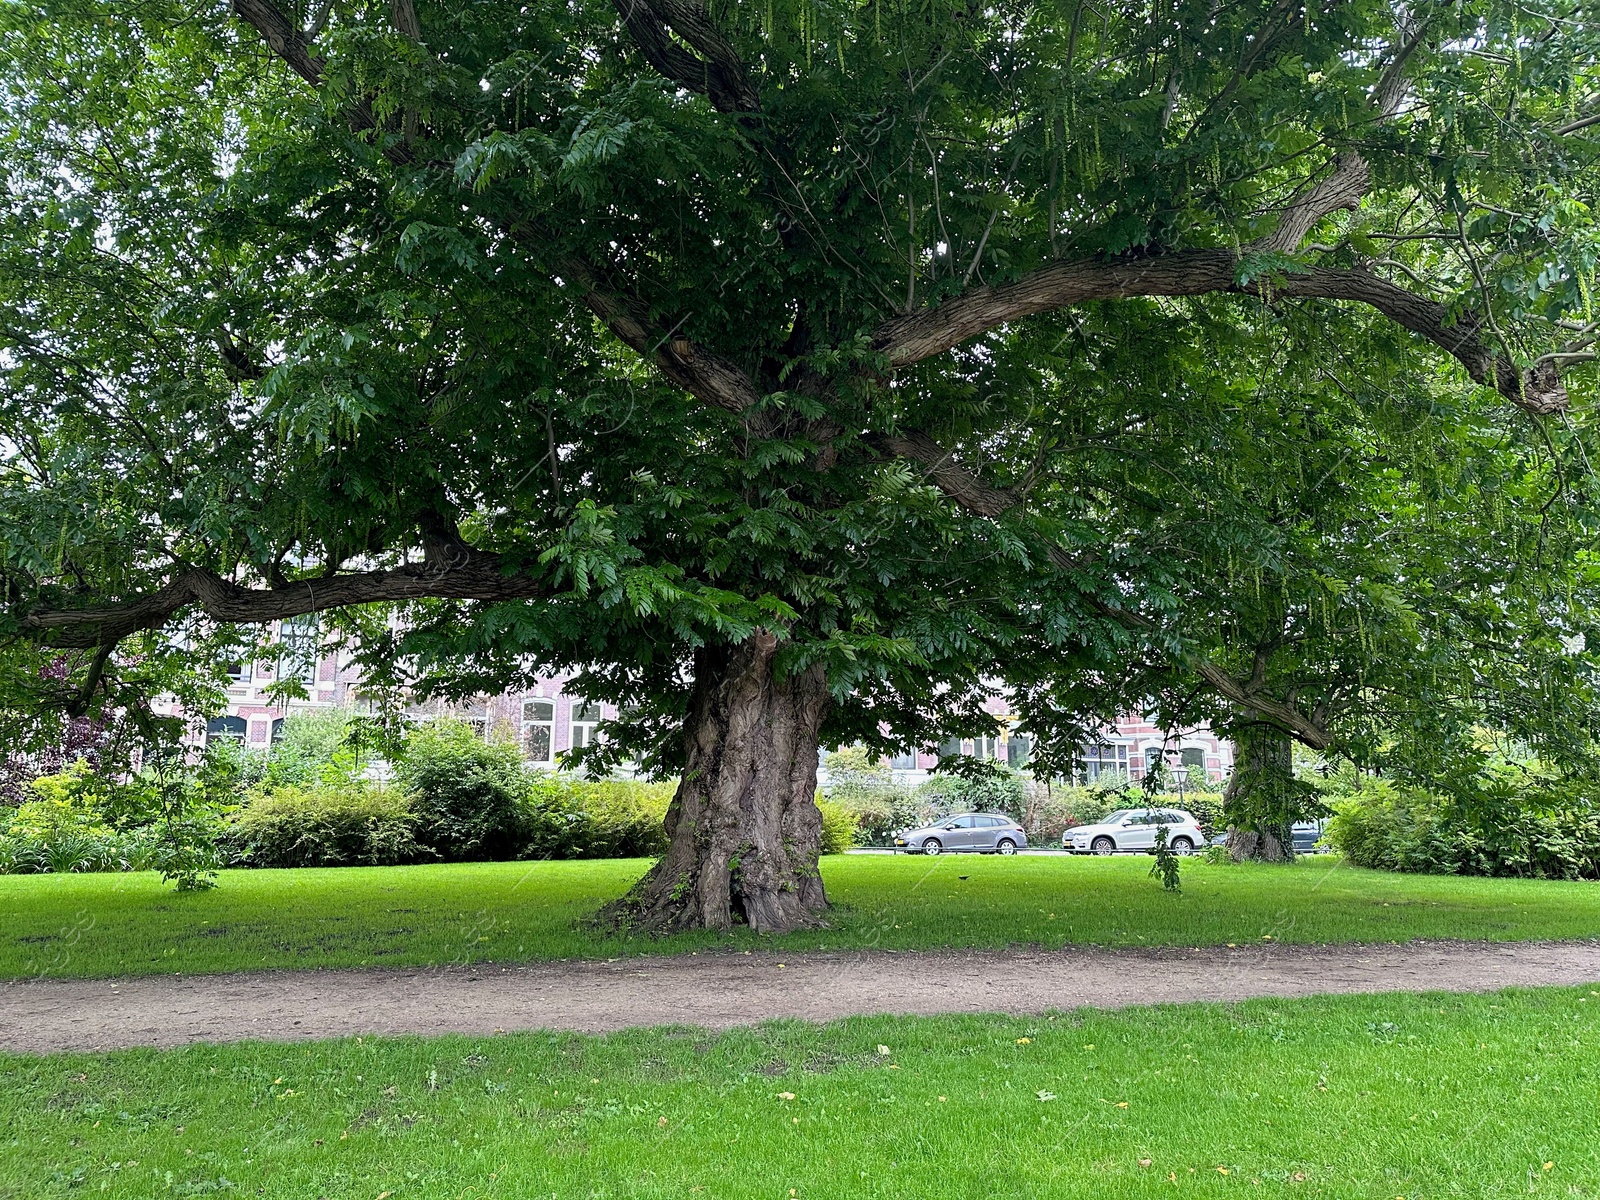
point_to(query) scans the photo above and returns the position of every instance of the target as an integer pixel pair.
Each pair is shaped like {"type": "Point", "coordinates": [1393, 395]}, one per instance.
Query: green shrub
{"type": "Point", "coordinates": [466, 793]}
{"type": "Point", "coordinates": [318, 825]}
{"type": "Point", "coordinates": [860, 784]}
{"type": "Point", "coordinates": [998, 790]}
{"type": "Point", "coordinates": [838, 827]}
{"type": "Point", "coordinates": [19, 854]}
{"type": "Point", "coordinates": [565, 816]}
{"type": "Point", "coordinates": [1206, 807]}
{"type": "Point", "coordinates": [877, 814]}
{"type": "Point", "coordinates": [70, 803]}
{"type": "Point", "coordinates": [1509, 826]}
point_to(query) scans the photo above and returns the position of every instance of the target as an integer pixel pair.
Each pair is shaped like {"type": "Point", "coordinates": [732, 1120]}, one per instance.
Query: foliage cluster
{"type": "Point", "coordinates": [83, 820]}
{"type": "Point", "coordinates": [1513, 819]}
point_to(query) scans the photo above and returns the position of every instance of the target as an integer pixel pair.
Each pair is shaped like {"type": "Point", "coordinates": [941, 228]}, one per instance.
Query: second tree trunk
{"type": "Point", "coordinates": [1263, 797]}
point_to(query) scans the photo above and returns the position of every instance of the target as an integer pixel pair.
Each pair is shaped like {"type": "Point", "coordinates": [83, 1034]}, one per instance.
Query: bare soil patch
{"type": "Point", "coordinates": [717, 991]}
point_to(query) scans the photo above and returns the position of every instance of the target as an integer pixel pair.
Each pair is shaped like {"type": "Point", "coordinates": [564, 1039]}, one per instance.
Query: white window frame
{"type": "Point", "coordinates": [586, 719]}
{"type": "Point", "coordinates": [1105, 758]}
{"type": "Point", "coordinates": [546, 723]}
{"type": "Point", "coordinates": [297, 636]}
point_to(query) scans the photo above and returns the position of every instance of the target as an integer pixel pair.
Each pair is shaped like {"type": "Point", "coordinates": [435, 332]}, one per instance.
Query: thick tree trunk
{"type": "Point", "coordinates": [743, 833]}
{"type": "Point", "coordinates": [1261, 796]}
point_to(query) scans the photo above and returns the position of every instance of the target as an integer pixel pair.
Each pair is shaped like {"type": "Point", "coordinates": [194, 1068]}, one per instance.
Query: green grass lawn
{"type": "Point", "coordinates": [96, 925]}
{"type": "Point", "coordinates": [1340, 1097]}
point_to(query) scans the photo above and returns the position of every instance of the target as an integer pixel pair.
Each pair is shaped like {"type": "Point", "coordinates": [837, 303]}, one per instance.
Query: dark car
{"type": "Point", "coordinates": [1307, 837]}
{"type": "Point", "coordinates": [984, 833]}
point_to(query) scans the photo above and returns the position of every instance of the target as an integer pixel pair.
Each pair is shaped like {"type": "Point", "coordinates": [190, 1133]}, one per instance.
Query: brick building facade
{"type": "Point", "coordinates": [546, 721]}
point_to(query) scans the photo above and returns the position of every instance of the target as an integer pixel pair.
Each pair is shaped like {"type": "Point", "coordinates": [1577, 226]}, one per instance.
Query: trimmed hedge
{"type": "Point", "coordinates": [563, 817]}
{"type": "Point", "coordinates": [353, 823]}
{"type": "Point", "coordinates": [326, 825]}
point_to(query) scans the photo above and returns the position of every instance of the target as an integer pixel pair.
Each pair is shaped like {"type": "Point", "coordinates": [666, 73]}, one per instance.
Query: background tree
{"type": "Point", "coordinates": [651, 339]}
{"type": "Point", "coordinates": [1382, 570]}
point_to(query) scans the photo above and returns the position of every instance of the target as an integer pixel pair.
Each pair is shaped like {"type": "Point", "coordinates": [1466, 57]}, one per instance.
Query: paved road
{"type": "Point", "coordinates": [721, 990]}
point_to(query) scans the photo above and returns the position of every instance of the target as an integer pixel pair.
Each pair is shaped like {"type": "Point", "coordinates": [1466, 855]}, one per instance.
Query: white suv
{"type": "Point", "coordinates": [1134, 829]}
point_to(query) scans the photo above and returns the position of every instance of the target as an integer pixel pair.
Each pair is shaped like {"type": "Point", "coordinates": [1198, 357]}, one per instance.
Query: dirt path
{"type": "Point", "coordinates": [720, 990]}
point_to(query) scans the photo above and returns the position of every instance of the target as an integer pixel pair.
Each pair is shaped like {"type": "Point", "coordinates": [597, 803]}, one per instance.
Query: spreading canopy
{"type": "Point", "coordinates": [607, 335]}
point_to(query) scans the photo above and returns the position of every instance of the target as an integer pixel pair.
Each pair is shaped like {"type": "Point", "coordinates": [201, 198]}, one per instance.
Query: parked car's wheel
{"type": "Point", "coordinates": [1005, 846]}
{"type": "Point", "coordinates": [1103, 845]}
{"type": "Point", "coordinates": [933, 846]}
{"type": "Point", "coordinates": [1182, 845]}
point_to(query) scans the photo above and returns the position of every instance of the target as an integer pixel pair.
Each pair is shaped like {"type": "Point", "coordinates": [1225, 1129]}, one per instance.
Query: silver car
{"type": "Point", "coordinates": [983, 833]}
{"type": "Point", "coordinates": [1134, 829]}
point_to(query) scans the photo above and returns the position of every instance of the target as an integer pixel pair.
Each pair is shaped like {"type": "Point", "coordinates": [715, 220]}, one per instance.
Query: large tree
{"type": "Point", "coordinates": [688, 345]}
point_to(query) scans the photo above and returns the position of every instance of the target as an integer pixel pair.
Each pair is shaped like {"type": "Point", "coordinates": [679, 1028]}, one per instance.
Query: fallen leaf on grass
{"type": "Point", "coordinates": [1024, 1041]}
{"type": "Point", "coordinates": [1043, 1095]}
{"type": "Point", "coordinates": [662, 1123]}
{"type": "Point", "coordinates": [883, 1050]}
{"type": "Point", "coordinates": [1122, 1104]}
{"type": "Point", "coordinates": [785, 1095]}
{"type": "Point", "coordinates": [1145, 1162]}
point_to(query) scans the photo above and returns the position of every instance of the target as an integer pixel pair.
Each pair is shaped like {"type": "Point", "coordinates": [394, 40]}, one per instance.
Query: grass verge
{"type": "Point", "coordinates": [101, 925]}
{"type": "Point", "coordinates": [1359, 1096]}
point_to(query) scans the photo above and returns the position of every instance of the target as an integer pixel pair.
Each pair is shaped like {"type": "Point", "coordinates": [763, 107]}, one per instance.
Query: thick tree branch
{"type": "Point", "coordinates": [404, 15]}
{"type": "Point", "coordinates": [976, 496]}
{"type": "Point", "coordinates": [948, 475]}
{"type": "Point", "coordinates": [706, 376]}
{"type": "Point", "coordinates": [713, 70]}
{"type": "Point", "coordinates": [470, 575]}
{"type": "Point", "coordinates": [284, 36]}
{"type": "Point", "coordinates": [910, 339]}
{"type": "Point", "coordinates": [1347, 183]}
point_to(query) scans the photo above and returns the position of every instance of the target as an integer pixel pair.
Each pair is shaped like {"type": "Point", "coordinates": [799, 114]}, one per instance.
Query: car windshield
{"type": "Point", "coordinates": [1113, 818]}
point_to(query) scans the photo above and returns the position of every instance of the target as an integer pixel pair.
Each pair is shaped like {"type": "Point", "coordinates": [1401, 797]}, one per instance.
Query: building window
{"type": "Point", "coordinates": [950, 748]}
{"type": "Point", "coordinates": [985, 747]}
{"type": "Point", "coordinates": [903, 762]}
{"type": "Point", "coordinates": [1019, 748]}
{"type": "Point", "coordinates": [277, 730]}
{"type": "Point", "coordinates": [584, 719]}
{"type": "Point", "coordinates": [226, 729]}
{"type": "Point", "coordinates": [538, 731]}
{"type": "Point", "coordinates": [300, 639]}
{"type": "Point", "coordinates": [1101, 761]}
{"type": "Point", "coordinates": [1194, 758]}
{"type": "Point", "coordinates": [239, 673]}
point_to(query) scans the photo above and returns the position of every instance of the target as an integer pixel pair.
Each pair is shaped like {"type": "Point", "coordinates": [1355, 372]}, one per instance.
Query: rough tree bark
{"type": "Point", "coordinates": [744, 832]}
{"type": "Point", "coordinates": [1262, 794]}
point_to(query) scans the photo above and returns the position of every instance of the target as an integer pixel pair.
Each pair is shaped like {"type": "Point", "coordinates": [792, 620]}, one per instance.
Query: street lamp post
{"type": "Point", "coordinates": [1180, 775]}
